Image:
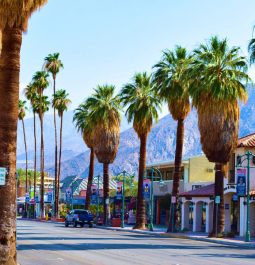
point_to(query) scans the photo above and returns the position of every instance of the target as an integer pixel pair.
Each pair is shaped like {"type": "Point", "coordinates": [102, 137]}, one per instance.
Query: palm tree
{"type": "Point", "coordinates": [218, 73]}
{"type": "Point", "coordinates": [251, 50]}
{"type": "Point", "coordinates": [53, 65]}
{"type": "Point", "coordinates": [105, 118]}
{"type": "Point", "coordinates": [14, 19]}
{"type": "Point", "coordinates": [40, 81]}
{"type": "Point", "coordinates": [31, 94]}
{"type": "Point", "coordinates": [171, 83]}
{"type": "Point", "coordinates": [142, 108]}
{"type": "Point", "coordinates": [83, 124]}
{"type": "Point", "coordinates": [21, 116]}
{"type": "Point", "coordinates": [60, 102]}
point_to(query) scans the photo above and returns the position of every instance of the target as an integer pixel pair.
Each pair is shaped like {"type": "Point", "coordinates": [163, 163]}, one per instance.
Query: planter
{"type": "Point", "coordinates": [116, 222]}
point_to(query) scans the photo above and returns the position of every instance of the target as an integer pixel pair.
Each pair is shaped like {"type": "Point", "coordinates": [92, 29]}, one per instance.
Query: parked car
{"type": "Point", "coordinates": [80, 217]}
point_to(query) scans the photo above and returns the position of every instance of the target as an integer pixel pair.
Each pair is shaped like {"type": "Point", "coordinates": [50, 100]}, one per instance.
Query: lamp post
{"type": "Point", "coordinates": [51, 185]}
{"type": "Point", "coordinates": [97, 210]}
{"type": "Point", "coordinates": [161, 182]}
{"type": "Point", "coordinates": [240, 159]}
{"type": "Point", "coordinates": [75, 179]}
{"type": "Point", "coordinates": [124, 174]}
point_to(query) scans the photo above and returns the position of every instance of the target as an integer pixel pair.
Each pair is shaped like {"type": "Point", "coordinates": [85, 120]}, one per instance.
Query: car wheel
{"type": "Point", "coordinates": [81, 224]}
{"type": "Point", "coordinates": [66, 224]}
{"type": "Point", "coordinates": [90, 225]}
{"type": "Point", "coordinates": [74, 224]}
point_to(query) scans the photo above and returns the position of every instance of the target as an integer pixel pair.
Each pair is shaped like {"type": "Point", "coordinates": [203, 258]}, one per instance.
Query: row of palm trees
{"type": "Point", "coordinates": [212, 78]}
{"type": "Point", "coordinates": [40, 104]}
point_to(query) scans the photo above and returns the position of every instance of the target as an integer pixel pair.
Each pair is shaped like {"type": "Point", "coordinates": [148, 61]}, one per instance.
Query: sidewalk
{"type": "Point", "coordinates": [161, 231]}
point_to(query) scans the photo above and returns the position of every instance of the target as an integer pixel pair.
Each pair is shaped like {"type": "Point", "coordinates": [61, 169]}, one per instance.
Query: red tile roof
{"type": "Point", "coordinates": [247, 141]}
{"type": "Point", "coordinates": [200, 192]}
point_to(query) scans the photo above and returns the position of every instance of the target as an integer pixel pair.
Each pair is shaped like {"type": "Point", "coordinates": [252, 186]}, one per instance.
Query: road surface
{"type": "Point", "coordinates": [53, 244]}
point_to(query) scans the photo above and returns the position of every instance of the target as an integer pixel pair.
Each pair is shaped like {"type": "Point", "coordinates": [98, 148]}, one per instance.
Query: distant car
{"type": "Point", "coordinates": [80, 217]}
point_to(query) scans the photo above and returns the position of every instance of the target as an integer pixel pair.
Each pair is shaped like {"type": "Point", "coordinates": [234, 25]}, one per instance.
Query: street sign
{"type": "Point", "coordinates": [2, 176]}
{"type": "Point", "coordinates": [217, 199]}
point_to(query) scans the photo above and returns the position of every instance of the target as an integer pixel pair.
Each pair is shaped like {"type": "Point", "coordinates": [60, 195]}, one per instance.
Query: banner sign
{"type": "Point", "coordinates": [94, 193]}
{"type": "Point", "coordinates": [27, 197]}
{"type": "Point", "coordinates": [50, 196]}
{"type": "Point", "coordinates": [68, 195]}
{"type": "Point", "coordinates": [2, 176]}
{"type": "Point", "coordinates": [241, 182]}
{"type": "Point", "coordinates": [146, 189]}
{"type": "Point", "coordinates": [119, 191]}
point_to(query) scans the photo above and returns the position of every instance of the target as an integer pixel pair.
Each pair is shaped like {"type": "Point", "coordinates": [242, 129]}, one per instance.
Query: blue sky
{"type": "Point", "coordinates": [107, 41]}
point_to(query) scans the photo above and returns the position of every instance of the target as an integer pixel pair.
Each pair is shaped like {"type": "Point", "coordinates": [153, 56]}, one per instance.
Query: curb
{"type": "Point", "coordinates": [169, 235]}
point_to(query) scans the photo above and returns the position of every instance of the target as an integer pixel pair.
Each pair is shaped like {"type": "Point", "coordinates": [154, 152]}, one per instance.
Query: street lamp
{"type": "Point", "coordinates": [124, 174]}
{"type": "Point", "coordinates": [51, 185]}
{"type": "Point", "coordinates": [161, 182]}
{"type": "Point", "coordinates": [71, 185]}
{"type": "Point", "coordinates": [240, 159]}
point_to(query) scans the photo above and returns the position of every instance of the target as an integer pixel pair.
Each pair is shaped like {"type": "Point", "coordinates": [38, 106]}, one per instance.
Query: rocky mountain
{"type": "Point", "coordinates": [160, 146]}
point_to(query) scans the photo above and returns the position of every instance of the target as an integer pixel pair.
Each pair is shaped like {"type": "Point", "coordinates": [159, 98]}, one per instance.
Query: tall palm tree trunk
{"type": "Point", "coordinates": [35, 157]}
{"type": "Point", "coordinates": [106, 194]}
{"type": "Point", "coordinates": [25, 144]}
{"type": "Point", "coordinates": [90, 178]}
{"type": "Point", "coordinates": [9, 94]}
{"type": "Point", "coordinates": [42, 167]}
{"type": "Point", "coordinates": [140, 212]}
{"type": "Point", "coordinates": [177, 172]}
{"type": "Point", "coordinates": [59, 164]}
{"type": "Point", "coordinates": [219, 191]}
{"type": "Point", "coordinates": [56, 154]}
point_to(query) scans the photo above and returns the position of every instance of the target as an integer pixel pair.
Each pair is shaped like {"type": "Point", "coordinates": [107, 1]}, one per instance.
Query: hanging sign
{"type": "Point", "coordinates": [94, 193]}
{"type": "Point", "coordinates": [146, 189]}
{"type": "Point", "coordinates": [241, 182]}
{"type": "Point", "coordinates": [119, 190]}
{"type": "Point", "coordinates": [68, 195]}
{"type": "Point", "coordinates": [3, 176]}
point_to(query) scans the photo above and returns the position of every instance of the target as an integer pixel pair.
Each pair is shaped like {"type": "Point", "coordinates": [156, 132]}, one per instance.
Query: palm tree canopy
{"type": "Point", "coordinates": [53, 64]}
{"type": "Point", "coordinates": [142, 103]}
{"type": "Point", "coordinates": [171, 81]}
{"type": "Point", "coordinates": [60, 101]}
{"type": "Point", "coordinates": [31, 93]}
{"type": "Point", "coordinates": [22, 109]}
{"type": "Point", "coordinates": [13, 12]}
{"type": "Point", "coordinates": [40, 80]}
{"type": "Point", "coordinates": [104, 107]}
{"type": "Point", "coordinates": [218, 73]}
{"type": "Point", "coordinates": [251, 50]}
{"type": "Point", "coordinates": [42, 104]}
{"type": "Point", "coordinates": [83, 123]}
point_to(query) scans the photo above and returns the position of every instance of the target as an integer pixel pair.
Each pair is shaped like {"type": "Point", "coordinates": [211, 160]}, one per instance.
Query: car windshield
{"type": "Point", "coordinates": [80, 212]}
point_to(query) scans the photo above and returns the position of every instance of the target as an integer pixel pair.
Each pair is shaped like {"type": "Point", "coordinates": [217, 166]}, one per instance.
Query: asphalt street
{"type": "Point", "coordinates": [52, 244]}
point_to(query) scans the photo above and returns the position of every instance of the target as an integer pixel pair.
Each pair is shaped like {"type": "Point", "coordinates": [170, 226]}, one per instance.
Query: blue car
{"type": "Point", "coordinates": [79, 217]}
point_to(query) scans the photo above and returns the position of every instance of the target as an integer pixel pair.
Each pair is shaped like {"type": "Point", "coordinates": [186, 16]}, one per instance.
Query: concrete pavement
{"type": "Point", "coordinates": [42, 243]}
